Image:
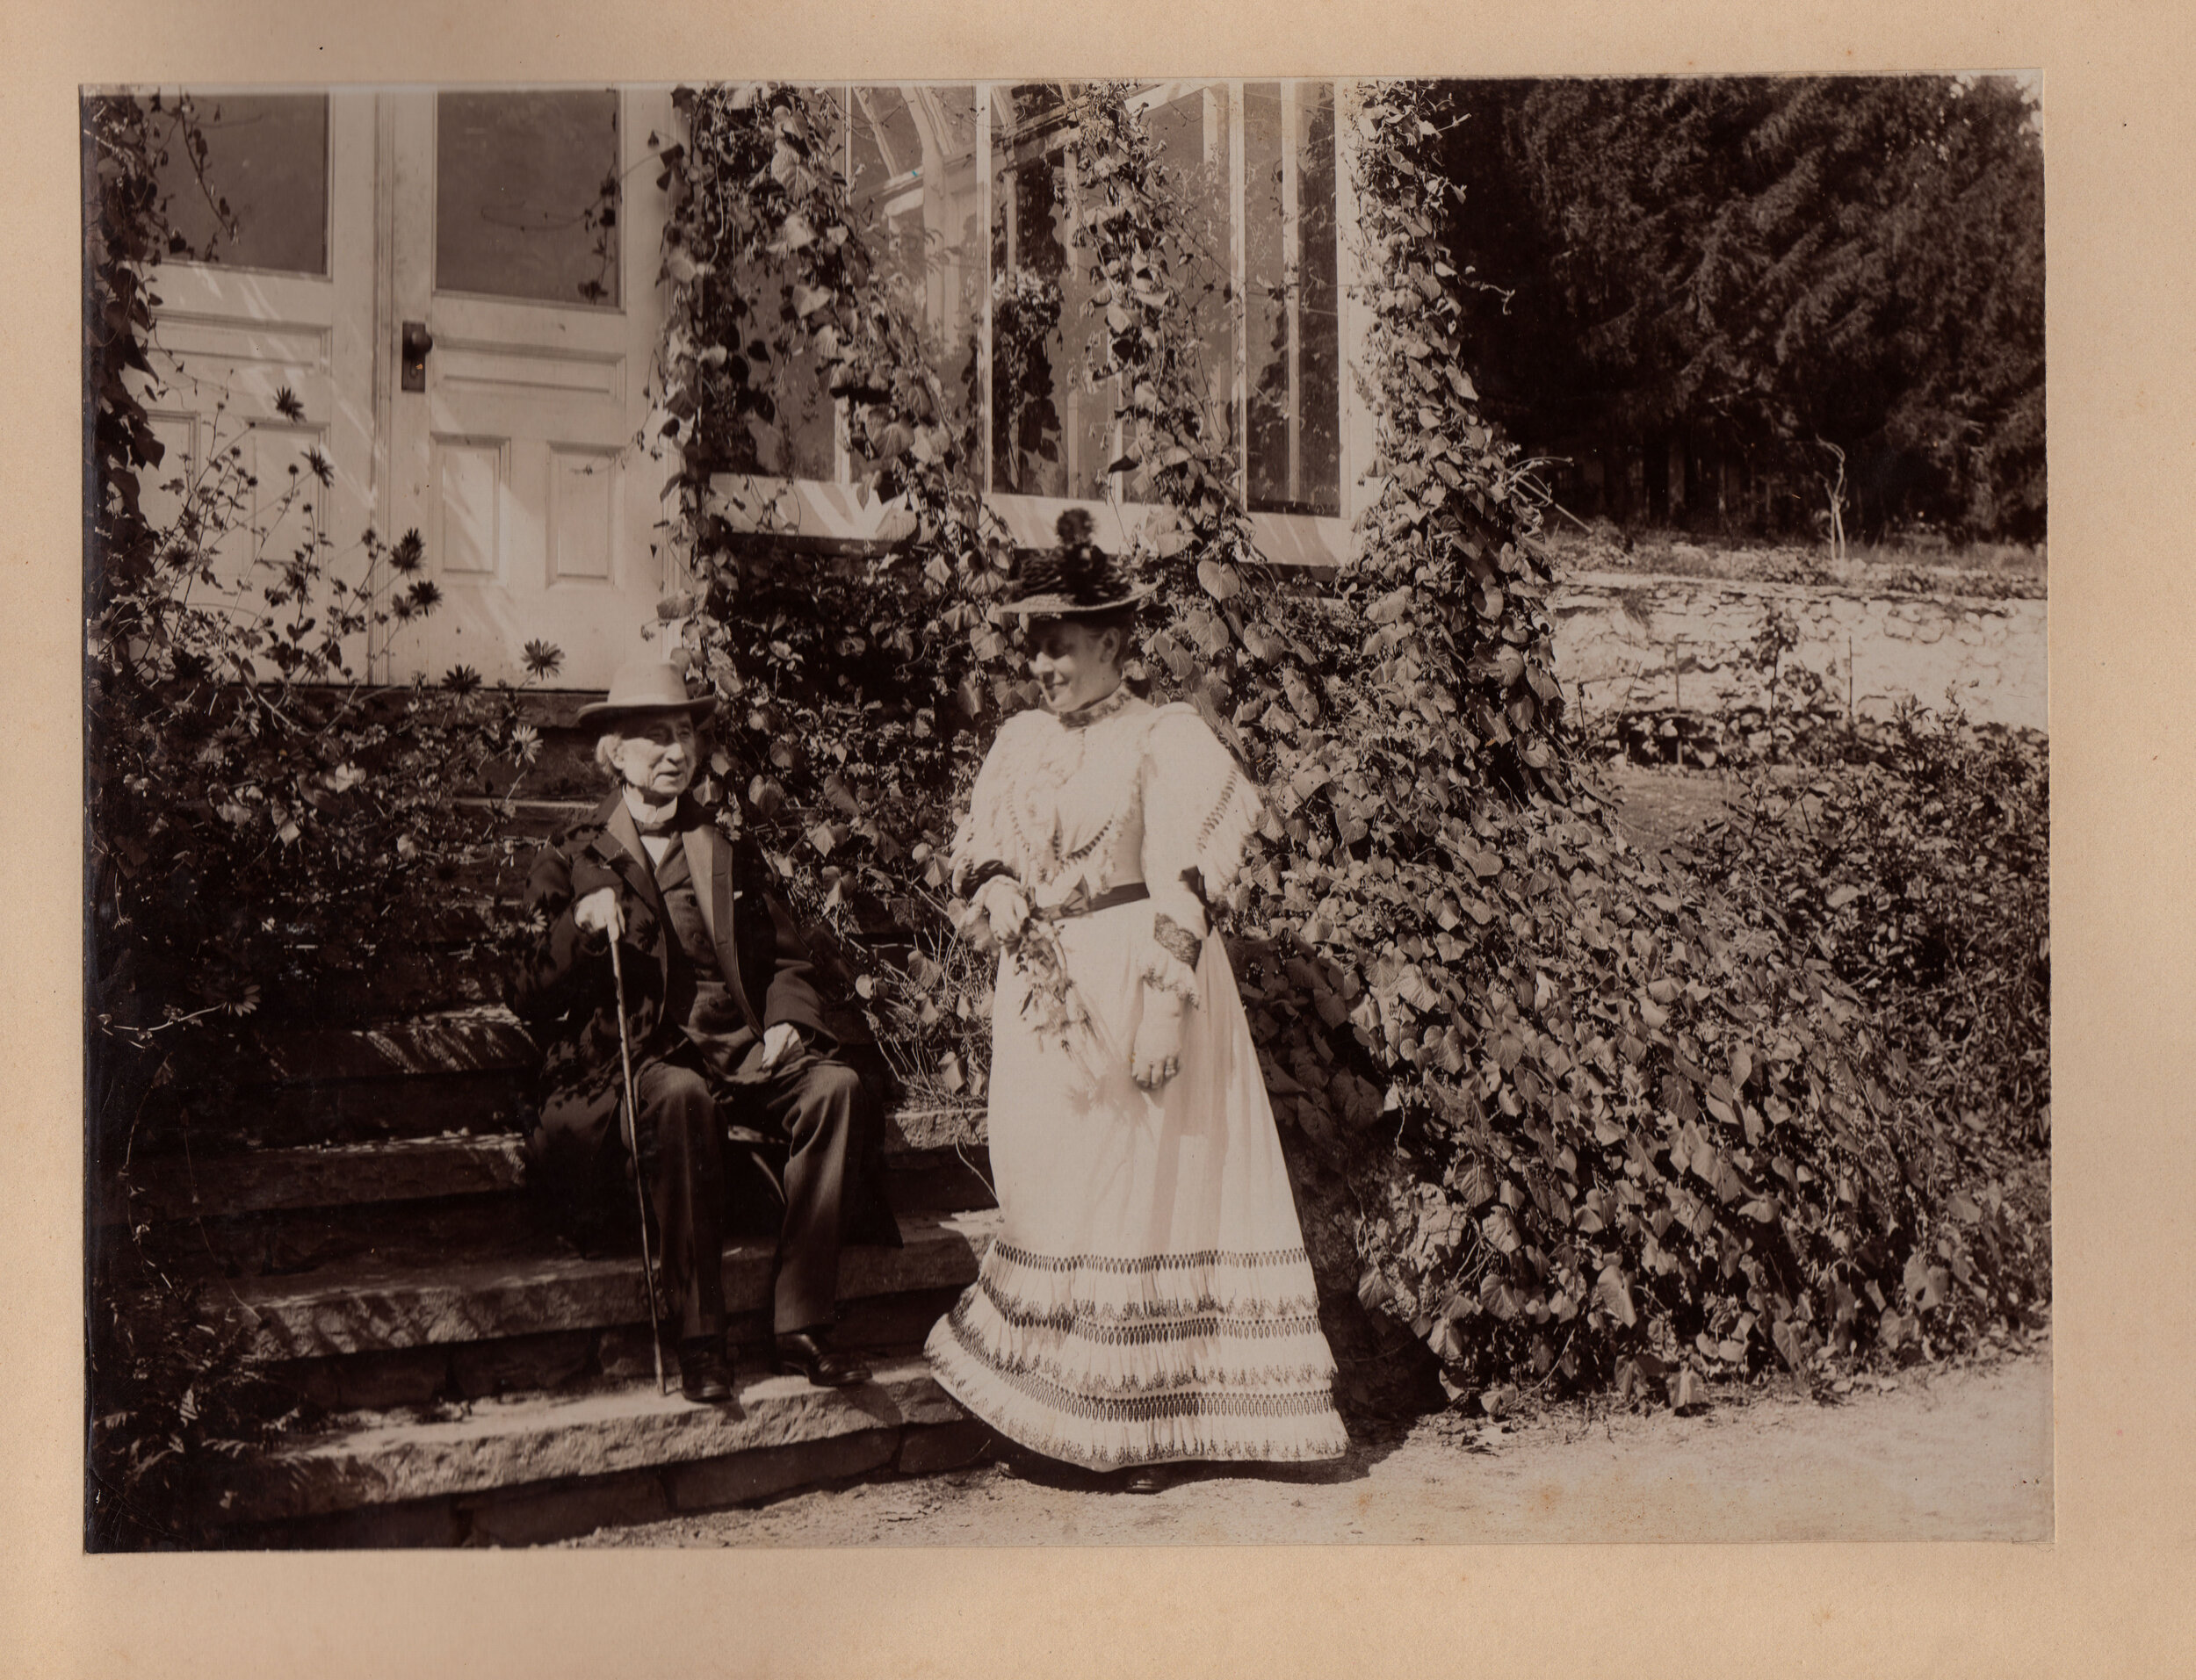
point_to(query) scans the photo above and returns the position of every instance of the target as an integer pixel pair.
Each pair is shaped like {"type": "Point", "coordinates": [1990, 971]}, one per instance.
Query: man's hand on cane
{"type": "Point", "coordinates": [598, 914]}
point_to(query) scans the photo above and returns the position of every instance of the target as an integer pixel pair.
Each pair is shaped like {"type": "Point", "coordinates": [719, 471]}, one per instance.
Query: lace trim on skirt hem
{"type": "Point", "coordinates": [1102, 1288]}
{"type": "Point", "coordinates": [1199, 1259]}
{"type": "Point", "coordinates": [1088, 1321]}
{"type": "Point", "coordinates": [1214, 1362]}
{"type": "Point", "coordinates": [1025, 1413]}
{"type": "Point", "coordinates": [1108, 1434]}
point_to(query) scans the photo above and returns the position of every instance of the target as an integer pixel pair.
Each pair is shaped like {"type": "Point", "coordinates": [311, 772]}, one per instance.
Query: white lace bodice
{"type": "Point", "coordinates": [1124, 791]}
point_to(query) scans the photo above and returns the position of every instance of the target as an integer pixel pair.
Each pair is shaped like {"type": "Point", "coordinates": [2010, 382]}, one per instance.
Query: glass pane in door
{"type": "Point", "coordinates": [258, 197]}
{"type": "Point", "coordinates": [526, 195]}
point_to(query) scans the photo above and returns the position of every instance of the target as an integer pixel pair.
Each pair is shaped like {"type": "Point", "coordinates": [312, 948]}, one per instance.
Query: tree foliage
{"type": "Point", "coordinates": [1772, 266]}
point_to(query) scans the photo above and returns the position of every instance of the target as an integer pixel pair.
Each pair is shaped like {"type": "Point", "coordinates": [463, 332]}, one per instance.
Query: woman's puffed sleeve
{"type": "Point", "coordinates": [1199, 811]}
{"type": "Point", "coordinates": [987, 834]}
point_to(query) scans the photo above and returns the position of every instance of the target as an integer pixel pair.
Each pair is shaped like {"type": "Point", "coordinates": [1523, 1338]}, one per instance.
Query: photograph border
{"type": "Point", "coordinates": [2104, 1597]}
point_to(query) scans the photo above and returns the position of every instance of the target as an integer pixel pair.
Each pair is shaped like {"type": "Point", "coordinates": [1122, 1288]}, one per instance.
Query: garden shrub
{"type": "Point", "coordinates": [1914, 855]}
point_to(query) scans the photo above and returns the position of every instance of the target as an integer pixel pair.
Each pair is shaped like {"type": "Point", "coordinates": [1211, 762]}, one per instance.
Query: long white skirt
{"type": "Point", "coordinates": [1148, 1298]}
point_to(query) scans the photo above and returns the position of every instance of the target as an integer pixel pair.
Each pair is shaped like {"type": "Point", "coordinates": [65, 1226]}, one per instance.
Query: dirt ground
{"type": "Point", "coordinates": [1961, 1452]}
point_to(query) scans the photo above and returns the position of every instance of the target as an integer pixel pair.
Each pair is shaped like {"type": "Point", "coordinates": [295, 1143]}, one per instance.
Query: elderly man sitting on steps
{"type": "Point", "coordinates": [719, 1009]}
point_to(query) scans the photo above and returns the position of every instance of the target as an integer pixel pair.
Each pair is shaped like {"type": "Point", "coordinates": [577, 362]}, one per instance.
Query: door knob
{"type": "Point", "coordinates": [416, 342]}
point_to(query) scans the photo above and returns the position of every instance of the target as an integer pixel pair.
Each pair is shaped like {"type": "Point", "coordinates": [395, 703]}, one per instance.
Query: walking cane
{"type": "Point", "coordinates": [633, 1140]}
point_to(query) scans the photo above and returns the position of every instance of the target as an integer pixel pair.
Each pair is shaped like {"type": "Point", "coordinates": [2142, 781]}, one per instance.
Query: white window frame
{"type": "Point", "coordinates": [836, 514]}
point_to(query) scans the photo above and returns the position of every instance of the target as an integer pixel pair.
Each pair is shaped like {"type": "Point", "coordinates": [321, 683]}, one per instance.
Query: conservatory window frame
{"type": "Point", "coordinates": [837, 515]}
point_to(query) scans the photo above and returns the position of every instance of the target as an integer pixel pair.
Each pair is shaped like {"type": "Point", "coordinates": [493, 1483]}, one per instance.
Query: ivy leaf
{"type": "Point", "coordinates": [1219, 580]}
{"type": "Point", "coordinates": [1390, 606]}
{"type": "Point", "coordinates": [1614, 1295]}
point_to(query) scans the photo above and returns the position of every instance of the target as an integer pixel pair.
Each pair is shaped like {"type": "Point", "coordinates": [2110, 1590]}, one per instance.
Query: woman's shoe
{"type": "Point", "coordinates": [1150, 1478]}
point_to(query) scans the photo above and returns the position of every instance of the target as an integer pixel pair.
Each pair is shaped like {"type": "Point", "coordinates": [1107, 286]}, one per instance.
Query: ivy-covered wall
{"type": "Point", "coordinates": [1555, 1112]}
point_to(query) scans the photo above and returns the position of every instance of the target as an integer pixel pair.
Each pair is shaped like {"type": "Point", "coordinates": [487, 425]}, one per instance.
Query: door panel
{"type": "Point", "coordinates": [517, 462]}
{"type": "Point", "coordinates": [235, 345]}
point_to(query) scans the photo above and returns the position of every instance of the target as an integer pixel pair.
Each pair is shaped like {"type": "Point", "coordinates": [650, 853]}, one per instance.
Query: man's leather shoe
{"type": "Point", "coordinates": [704, 1375]}
{"type": "Point", "coordinates": [806, 1351]}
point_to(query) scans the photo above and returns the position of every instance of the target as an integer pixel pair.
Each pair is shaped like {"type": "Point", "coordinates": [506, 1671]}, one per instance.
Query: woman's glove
{"type": "Point", "coordinates": [998, 911]}
{"type": "Point", "coordinates": [1157, 1055]}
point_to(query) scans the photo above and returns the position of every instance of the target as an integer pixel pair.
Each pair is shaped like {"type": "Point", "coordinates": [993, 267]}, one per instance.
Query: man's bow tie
{"type": "Point", "coordinates": [667, 824]}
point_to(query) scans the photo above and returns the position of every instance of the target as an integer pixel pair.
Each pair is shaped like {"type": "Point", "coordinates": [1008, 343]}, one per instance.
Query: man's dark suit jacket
{"type": "Point", "coordinates": [566, 996]}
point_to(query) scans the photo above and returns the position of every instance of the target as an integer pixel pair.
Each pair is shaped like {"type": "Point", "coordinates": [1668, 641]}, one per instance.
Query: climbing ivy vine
{"type": "Point", "coordinates": [1554, 1110]}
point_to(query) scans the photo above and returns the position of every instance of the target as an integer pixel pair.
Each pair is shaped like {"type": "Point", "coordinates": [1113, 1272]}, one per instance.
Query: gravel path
{"type": "Point", "coordinates": [1949, 1453]}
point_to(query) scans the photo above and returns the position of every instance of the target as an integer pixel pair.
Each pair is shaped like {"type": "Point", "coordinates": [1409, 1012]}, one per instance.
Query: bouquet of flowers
{"type": "Point", "coordinates": [997, 912]}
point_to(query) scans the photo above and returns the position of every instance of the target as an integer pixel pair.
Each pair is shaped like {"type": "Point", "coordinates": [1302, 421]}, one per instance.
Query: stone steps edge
{"type": "Point", "coordinates": [559, 1469]}
{"type": "Point", "coordinates": [348, 1310]}
{"type": "Point", "coordinates": [305, 1177]}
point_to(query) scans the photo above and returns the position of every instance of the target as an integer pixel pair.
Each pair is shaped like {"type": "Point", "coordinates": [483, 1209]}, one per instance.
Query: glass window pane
{"type": "Point", "coordinates": [765, 410]}
{"type": "Point", "coordinates": [526, 195]}
{"type": "Point", "coordinates": [1190, 134]}
{"type": "Point", "coordinates": [1319, 349]}
{"type": "Point", "coordinates": [260, 201]}
{"type": "Point", "coordinates": [1053, 430]}
{"type": "Point", "coordinates": [886, 146]}
{"type": "Point", "coordinates": [1029, 359]}
{"type": "Point", "coordinates": [915, 205]}
{"type": "Point", "coordinates": [1293, 323]}
{"type": "Point", "coordinates": [1265, 277]}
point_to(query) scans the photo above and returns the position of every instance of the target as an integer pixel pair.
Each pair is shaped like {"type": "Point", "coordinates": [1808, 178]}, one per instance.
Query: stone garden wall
{"type": "Point", "coordinates": [1631, 642]}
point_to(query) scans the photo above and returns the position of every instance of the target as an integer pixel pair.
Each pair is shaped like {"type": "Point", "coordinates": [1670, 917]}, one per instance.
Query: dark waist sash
{"type": "Point", "coordinates": [1127, 893]}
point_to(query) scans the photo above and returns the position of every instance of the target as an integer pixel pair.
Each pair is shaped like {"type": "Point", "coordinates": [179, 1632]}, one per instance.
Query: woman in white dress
{"type": "Point", "coordinates": [1148, 1299]}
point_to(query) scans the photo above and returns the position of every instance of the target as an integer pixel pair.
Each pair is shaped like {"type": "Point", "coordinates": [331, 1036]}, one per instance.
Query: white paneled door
{"type": "Point", "coordinates": [523, 230]}
{"type": "Point", "coordinates": [267, 350]}
{"type": "Point", "coordinates": [456, 290]}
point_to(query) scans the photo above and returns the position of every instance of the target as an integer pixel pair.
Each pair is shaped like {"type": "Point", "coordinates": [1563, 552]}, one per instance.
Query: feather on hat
{"type": "Point", "coordinates": [1076, 578]}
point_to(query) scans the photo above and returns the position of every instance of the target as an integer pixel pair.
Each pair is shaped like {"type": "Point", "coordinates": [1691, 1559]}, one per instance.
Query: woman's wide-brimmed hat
{"type": "Point", "coordinates": [1077, 579]}
{"type": "Point", "coordinates": [646, 685]}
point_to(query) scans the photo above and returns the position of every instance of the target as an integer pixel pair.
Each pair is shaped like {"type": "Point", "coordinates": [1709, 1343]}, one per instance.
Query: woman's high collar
{"type": "Point", "coordinates": [1097, 711]}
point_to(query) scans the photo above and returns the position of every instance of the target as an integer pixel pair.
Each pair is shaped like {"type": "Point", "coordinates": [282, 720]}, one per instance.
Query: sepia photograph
{"type": "Point", "coordinates": [1035, 813]}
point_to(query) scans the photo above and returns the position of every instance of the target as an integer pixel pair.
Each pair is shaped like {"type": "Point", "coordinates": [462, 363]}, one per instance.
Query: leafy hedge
{"type": "Point", "coordinates": [1556, 1111]}
{"type": "Point", "coordinates": [257, 822]}
{"type": "Point", "coordinates": [1914, 855]}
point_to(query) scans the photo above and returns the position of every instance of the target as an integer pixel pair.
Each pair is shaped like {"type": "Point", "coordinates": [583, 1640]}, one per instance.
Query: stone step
{"type": "Point", "coordinates": [331, 1175]}
{"type": "Point", "coordinates": [385, 1171]}
{"type": "Point", "coordinates": [570, 1362]}
{"type": "Point", "coordinates": [527, 1471]}
{"type": "Point", "coordinates": [380, 1302]}
{"type": "Point", "coordinates": [458, 1071]}
{"type": "Point", "coordinates": [486, 1039]}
